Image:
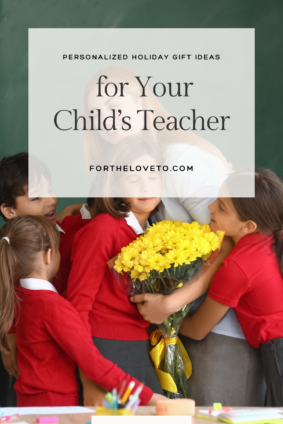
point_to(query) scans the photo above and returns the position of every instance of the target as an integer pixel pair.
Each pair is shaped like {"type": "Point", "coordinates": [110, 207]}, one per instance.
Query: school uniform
{"type": "Point", "coordinates": [114, 322]}
{"type": "Point", "coordinates": [68, 228]}
{"type": "Point", "coordinates": [51, 340]}
{"type": "Point", "coordinates": [251, 283]}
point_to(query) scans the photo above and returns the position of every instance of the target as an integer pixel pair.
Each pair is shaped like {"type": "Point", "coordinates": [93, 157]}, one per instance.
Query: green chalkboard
{"type": "Point", "coordinates": [16, 16]}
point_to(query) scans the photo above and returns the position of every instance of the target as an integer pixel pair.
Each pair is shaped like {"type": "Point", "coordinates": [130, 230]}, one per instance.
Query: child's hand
{"type": "Point", "coordinates": [10, 359]}
{"type": "Point", "coordinates": [154, 307]}
{"type": "Point", "coordinates": [155, 398]}
{"type": "Point", "coordinates": [94, 395]}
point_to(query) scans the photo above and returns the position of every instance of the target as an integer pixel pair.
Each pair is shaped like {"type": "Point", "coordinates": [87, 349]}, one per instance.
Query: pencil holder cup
{"type": "Point", "coordinates": [101, 410]}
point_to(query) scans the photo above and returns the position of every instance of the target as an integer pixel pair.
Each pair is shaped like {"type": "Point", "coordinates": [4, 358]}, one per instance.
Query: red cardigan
{"type": "Point", "coordinates": [70, 226]}
{"type": "Point", "coordinates": [93, 290]}
{"type": "Point", "coordinates": [51, 338]}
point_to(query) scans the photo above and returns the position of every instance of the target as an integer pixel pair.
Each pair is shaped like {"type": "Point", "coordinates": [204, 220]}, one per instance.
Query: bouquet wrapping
{"type": "Point", "coordinates": [167, 256]}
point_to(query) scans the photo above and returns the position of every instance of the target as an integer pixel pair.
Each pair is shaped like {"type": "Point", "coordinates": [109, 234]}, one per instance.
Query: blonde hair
{"type": "Point", "coordinates": [119, 74]}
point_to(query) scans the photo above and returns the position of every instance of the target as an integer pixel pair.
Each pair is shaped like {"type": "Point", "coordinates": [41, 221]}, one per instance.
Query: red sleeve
{"type": "Point", "coordinates": [64, 324]}
{"type": "Point", "coordinates": [92, 248]}
{"type": "Point", "coordinates": [229, 284]}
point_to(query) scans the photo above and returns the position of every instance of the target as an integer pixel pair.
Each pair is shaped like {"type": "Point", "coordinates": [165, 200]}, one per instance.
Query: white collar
{"type": "Point", "coordinates": [37, 284]}
{"type": "Point", "coordinates": [60, 229]}
{"type": "Point", "coordinates": [85, 213]}
{"type": "Point", "coordinates": [134, 223]}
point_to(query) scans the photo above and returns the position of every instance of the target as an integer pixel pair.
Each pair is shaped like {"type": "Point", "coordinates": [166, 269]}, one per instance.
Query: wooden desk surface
{"type": "Point", "coordinates": [83, 418]}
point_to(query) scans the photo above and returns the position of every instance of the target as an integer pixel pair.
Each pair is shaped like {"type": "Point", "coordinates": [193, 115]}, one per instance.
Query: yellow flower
{"type": "Point", "coordinates": [175, 257]}
{"type": "Point", "coordinates": [165, 244]}
{"type": "Point", "coordinates": [135, 274]}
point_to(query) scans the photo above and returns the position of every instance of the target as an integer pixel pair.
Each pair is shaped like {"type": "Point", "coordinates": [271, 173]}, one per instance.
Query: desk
{"type": "Point", "coordinates": [83, 418]}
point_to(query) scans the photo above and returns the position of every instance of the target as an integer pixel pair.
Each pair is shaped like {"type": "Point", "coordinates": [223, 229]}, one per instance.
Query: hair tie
{"type": "Point", "coordinates": [7, 239]}
{"type": "Point", "coordinates": [278, 235]}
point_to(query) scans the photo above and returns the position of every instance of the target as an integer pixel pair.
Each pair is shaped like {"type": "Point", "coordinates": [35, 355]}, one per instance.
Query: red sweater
{"type": "Point", "coordinates": [250, 281]}
{"type": "Point", "coordinates": [47, 327]}
{"type": "Point", "coordinates": [103, 305]}
{"type": "Point", "coordinates": [70, 226]}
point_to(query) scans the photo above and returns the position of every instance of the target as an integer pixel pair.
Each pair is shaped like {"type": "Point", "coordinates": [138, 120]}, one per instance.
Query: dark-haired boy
{"type": "Point", "coordinates": [14, 199]}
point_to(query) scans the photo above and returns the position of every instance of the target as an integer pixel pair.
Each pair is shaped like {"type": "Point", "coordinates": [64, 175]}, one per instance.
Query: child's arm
{"type": "Point", "coordinates": [69, 210]}
{"type": "Point", "coordinates": [229, 284]}
{"type": "Point", "coordinates": [10, 359]}
{"type": "Point", "coordinates": [64, 325]}
{"type": "Point", "coordinates": [204, 319]}
{"type": "Point", "coordinates": [93, 394]}
{"type": "Point", "coordinates": [155, 308]}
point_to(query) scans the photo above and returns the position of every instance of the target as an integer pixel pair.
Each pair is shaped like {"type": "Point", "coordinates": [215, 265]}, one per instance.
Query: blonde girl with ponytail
{"type": "Point", "coordinates": [51, 337]}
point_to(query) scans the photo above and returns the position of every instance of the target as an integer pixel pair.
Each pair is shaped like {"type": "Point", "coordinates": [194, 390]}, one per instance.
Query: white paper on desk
{"type": "Point", "coordinates": [243, 415]}
{"type": "Point", "coordinates": [205, 412]}
{"type": "Point", "coordinates": [46, 410]}
{"type": "Point", "coordinates": [246, 415]}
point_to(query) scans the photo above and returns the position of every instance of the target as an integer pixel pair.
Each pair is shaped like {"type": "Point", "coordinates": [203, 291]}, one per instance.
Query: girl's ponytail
{"type": "Point", "coordinates": [21, 241]}
{"type": "Point", "coordinates": [7, 291]}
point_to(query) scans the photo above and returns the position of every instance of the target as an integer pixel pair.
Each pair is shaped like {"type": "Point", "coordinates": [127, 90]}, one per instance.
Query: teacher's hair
{"type": "Point", "coordinates": [265, 209]}
{"type": "Point", "coordinates": [21, 241]}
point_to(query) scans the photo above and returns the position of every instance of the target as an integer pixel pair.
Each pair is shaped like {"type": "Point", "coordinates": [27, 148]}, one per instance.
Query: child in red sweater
{"type": "Point", "coordinates": [15, 201]}
{"type": "Point", "coordinates": [115, 324]}
{"type": "Point", "coordinates": [250, 281]}
{"type": "Point", "coordinates": [51, 338]}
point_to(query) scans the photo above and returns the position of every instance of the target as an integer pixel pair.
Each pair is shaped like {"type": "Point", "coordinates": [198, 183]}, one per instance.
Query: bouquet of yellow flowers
{"type": "Point", "coordinates": [165, 257]}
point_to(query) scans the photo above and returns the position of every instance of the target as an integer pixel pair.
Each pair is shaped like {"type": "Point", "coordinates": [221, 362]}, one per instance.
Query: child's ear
{"type": "Point", "coordinates": [8, 211]}
{"type": "Point", "coordinates": [47, 257]}
{"type": "Point", "coordinates": [249, 227]}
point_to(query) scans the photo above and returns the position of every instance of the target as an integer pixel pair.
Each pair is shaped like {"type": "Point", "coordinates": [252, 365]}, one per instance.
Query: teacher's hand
{"type": "Point", "coordinates": [154, 308]}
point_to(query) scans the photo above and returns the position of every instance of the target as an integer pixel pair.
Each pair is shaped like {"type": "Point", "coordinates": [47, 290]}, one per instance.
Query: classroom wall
{"type": "Point", "coordinates": [16, 16]}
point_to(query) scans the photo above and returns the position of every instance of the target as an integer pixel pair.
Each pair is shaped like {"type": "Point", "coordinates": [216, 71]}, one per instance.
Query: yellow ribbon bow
{"type": "Point", "coordinates": [166, 381]}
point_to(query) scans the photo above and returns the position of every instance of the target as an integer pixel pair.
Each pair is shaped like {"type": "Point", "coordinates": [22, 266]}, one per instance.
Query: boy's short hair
{"type": "Point", "coordinates": [14, 177]}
